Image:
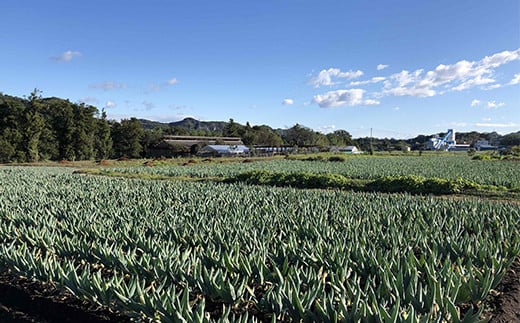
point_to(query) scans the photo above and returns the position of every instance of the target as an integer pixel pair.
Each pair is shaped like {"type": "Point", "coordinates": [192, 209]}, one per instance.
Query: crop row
{"type": "Point", "coordinates": [184, 251]}
{"type": "Point", "coordinates": [499, 173]}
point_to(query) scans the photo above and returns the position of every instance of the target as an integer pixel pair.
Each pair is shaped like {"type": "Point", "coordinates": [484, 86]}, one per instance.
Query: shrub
{"type": "Point", "coordinates": [337, 159]}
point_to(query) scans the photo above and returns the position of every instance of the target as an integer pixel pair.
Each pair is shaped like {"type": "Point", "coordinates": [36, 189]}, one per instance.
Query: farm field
{"type": "Point", "coordinates": [177, 251]}
{"type": "Point", "coordinates": [501, 173]}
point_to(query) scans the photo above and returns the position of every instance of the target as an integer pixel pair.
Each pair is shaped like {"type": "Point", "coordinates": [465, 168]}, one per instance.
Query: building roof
{"type": "Point", "coordinates": [226, 149]}
{"type": "Point", "coordinates": [171, 141]}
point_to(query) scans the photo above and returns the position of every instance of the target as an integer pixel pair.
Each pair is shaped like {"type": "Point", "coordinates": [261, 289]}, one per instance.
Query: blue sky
{"type": "Point", "coordinates": [402, 68]}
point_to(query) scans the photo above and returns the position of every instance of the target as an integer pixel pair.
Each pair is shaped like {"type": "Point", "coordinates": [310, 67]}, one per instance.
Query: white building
{"type": "Point", "coordinates": [346, 150]}
{"type": "Point", "coordinates": [223, 150]}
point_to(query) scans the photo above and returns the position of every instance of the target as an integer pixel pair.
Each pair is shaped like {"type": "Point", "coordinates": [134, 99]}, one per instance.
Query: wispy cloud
{"type": "Point", "coordinates": [494, 105]}
{"type": "Point", "coordinates": [107, 86]}
{"type": "Point", "coordinates": [172, 81]}
{"type": "Point", "coordinates": [326, 129]}
{"type": "Point", "coordinates": [458, 124]}
{"type": "Point", "coordinates": [110, 104]}
{"type": "Point", "coordinates": [376, 79]}
{"type": "Point", "coordinates": [66, 56]}
{"type": "Point", "coordinates": [515, 80]}
{"type": "Point", "coordinates": [475, 103]}
{"type": "Point", "coordinates": [288, 101]}
{"type": "Point", "coordinates": [371, 102]}
{"type": "Point", "coordinates": [497, 125]}
{"type": "Point", "coordinates": [381, 67]}
{"type": "Point", "coordinates": [493, 86]}
{"type": "Point", "coordinates": [330, 77]}
{"type": "Point", "coordinates": [156, 87]}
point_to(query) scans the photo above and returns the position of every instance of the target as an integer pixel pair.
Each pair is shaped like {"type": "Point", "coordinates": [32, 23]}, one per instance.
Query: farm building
{"type": "Point", "coordinates": [481, 145]}
{"type": "Point", "coordinates": [171, 146]}
{"type": "Point", "coordinates": [346, 150]}
{"type": "Point", "coordinates": [223, 150]}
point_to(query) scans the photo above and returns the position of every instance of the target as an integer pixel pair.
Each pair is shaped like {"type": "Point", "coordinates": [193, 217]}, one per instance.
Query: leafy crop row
{"type": "Point", "coordinates": [190, 251]}
{"type": "Point", "coordinates": [499, 173]}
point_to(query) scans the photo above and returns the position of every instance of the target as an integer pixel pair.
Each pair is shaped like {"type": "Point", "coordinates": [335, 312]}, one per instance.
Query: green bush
{"type": "Point", "coordinates": [337, 159]}
{"type": "Point", "coordinates": [389, 184]}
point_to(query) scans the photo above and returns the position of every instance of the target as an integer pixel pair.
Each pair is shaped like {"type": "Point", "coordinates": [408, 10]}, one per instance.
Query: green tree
{"type": "Point", "coordinates": [300, 136]}
{"type": "Point", "coordinates": [12, 114]}
{"type": "Point", "coordinates": [34, 124]}
{"type": "Point", "coordinates": [103, 139]}
{"type": "Point", "coordinates": [339, 138]}
{"type": "Point", "coordinates": [233, 129]}
{"type": "Point", "coordinates": [127, 136]}
{"type": "Point", "coordinates": [151, 138]}
{"type": "Point", "coordinates": [512, 139]}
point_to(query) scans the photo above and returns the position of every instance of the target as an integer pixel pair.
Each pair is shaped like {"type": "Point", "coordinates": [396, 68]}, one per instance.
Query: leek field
{"type": "Point", "coordinates": [211, 250]}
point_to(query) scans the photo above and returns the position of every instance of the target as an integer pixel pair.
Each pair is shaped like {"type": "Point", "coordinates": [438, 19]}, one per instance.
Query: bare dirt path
{"type": "Point", "coordinates": [505, 303]}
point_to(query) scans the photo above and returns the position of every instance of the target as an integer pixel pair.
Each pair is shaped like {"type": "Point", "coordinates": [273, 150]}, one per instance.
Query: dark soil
{"type": "Point", "coordinates": [24, 300]}
{"type": "Point", "coordinates": [505, 301]}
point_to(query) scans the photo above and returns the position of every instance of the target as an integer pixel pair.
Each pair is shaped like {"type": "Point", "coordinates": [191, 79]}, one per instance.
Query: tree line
{"type": "Point", "coordinates": [34, 129]}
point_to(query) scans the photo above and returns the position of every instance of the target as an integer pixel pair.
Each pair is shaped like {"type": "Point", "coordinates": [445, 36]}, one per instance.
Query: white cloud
{"type": "Point", "coordinates": [288, 101]}
{"type": "Point", "coordinates": [326, 129]}
{"type": "Point", "coordinates": [493, 86]}
{"type": "Point", "coordinates": [498, 59]}
{"type": "Point", "coordinates": [334, 99]}
{"type": "Point", "coordinates": [66, 56]}
{"type": "Point", "coordinates": [515, 80]}
{"type": "Point", "coordinates": [371, 102]}
{"type": "Point", "coordinates": [460, 76]}
{"type": "Point", "coordinates": [376, 79]}
{"type": "Point", "coordinates": [172, 81]}
{"type": "Point", "coordinates": [381, 67]}
{"type": "Point", "coordinates": [497, 125]}
{"type": "Point", "coordinates": [478, 80]}
{"type": "Point", "coordinates": [495, 105]}
{"type": "Point", "coordinates": [107, 86]}
{"type": "Point", "coordinates": [475, 103]}
{"type": "Point", "coordinates": [326, 77]}
{"type": "Point", "coordinates": [110, 104]}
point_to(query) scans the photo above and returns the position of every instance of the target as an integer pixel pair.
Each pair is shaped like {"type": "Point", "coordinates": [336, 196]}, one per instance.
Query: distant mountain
{"type": "Point", "coordinates": [193, 124]}
{"type": "Point", "coordinates": [186, 123]}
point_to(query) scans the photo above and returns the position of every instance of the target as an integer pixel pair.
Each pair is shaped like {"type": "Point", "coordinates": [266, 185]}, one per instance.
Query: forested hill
{"type": "Point", "coordinates": [36, 128]}
{"type": "Point", "coordinates": [187, 123]}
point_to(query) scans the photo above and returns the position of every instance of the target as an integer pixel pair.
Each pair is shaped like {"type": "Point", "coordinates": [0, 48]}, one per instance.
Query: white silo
{"type": "Point", "coordinates": [451, 138]}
